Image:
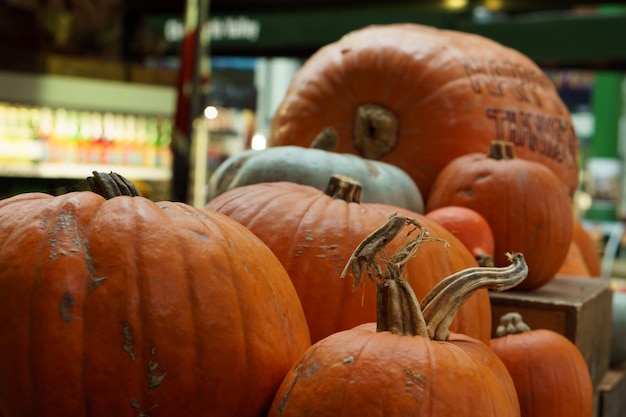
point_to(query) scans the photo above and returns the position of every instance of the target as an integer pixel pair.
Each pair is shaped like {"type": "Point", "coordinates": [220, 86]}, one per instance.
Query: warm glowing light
{"type": "Point", "coordinates": [258, 142]}
{"type": "Point", "coordinates": [493, 5]}
{"type": "Point", "coordinates": [211, 112]}
{"type": "Point", "coordinates": [455, 4]}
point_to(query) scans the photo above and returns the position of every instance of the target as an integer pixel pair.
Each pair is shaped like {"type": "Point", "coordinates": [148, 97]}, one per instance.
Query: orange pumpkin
{"type": "Point", "coordinates": [574, 264]}
{"type": "Point", "coordinates": [417, 97]}
{"type": "Point", "coordinates": [470, 227]}
{"type": "Point", "coordinates": [407, 363]}
{"type": "Point", "coordinates": [314, 232]}
{"type": "Point", "coordinates": [126, 307]}
{"type": "Point", "coordinates": [550, 374]}
{"type": "Point", "coordinates": [588, 248]}
{"type": "Point", "coordinates": [525, 204]}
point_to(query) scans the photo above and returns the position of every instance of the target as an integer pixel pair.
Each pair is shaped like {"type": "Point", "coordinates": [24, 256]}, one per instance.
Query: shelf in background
{"type": "Point", "coordinates": [79, 171]}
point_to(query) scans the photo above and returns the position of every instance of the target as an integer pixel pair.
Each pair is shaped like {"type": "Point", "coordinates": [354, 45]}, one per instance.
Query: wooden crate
{"type": "Point", "coordinates": [611, 396]}
{"type": "Point", "coordinates": [578, 308]}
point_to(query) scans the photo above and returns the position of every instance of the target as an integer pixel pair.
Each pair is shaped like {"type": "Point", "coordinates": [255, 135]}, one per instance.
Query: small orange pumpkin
{"type": "Point", "coordinates": [470, 227]}
{"type": "Point", "coordinates": [574, 264]}
{"type": "Point", "coordinates": [550, 374]}
{"type": "Point", "coordinates": [525, 204]}
{"type": "Point", "coordinates": [588, 248]}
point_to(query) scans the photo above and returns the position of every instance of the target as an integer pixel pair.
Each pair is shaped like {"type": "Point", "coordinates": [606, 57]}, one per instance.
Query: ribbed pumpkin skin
{"type": "Point", "coordinates": [452, 93]}
{"type": "Point", "coordinates": [382, 183]}
{"type": "Point", "coordinates": [314, 235]}
{"type": "Point", "coordinates": [525, 204]}
{"type": "Point", "coordinates": [361, 372]}
{"type": "Point", "coordinates": [125, 306]}
{"type": "Point", "coordinates": [549, 372]}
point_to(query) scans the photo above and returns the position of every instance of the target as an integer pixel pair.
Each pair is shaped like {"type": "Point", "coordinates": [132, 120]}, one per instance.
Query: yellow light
{"type": "Point", "coordinates": [493, 5]}
{"type": "Point", "coordinates": [455, 4]}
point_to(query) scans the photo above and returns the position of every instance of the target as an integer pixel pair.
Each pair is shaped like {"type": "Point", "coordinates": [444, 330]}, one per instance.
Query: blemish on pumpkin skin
{"type": "Point", "coordinates": [67, 302]}
{"type": "Point", "coordinates": [156, 372]}
{"type": "Point", "coordinates": [416, 383]}
{"type": "Point", "coordinates": [465, 192]}
{"type": "Point", "coordinates": [65, 238]}
{"type": "Point", "coordinates": [127, 347]}
{"type": "Point", "coordinates": [285, 398]}
{"type": "Point", "coordinates": [144, 413]}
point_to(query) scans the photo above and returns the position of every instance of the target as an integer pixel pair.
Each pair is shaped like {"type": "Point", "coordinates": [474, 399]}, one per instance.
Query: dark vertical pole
{"type": "Point", "coordinates": [189, 96]}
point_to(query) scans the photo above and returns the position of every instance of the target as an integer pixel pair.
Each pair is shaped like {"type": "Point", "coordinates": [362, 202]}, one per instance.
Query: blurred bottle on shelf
{"type": "Point", "coordinates": [64, 135]}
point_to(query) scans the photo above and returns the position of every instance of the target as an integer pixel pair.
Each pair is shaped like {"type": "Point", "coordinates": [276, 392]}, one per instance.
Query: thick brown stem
{"type": "Point", "coordinates": [442, 303]}
{"type": "Point", "coordinates": [344, 188]}
{"type": "Point", "coordinates": [111, 185]}
{"type": "Point", "coordinates": [326, 140]}
{"type": "Point", "coordinates": [501, 149]}
{"type": "Point", "coordinates": [485, 260]}
{"type": "Point", "coordinates": [397, 309]}
{"type": "Point", "coordinates": [375, 130]}
{"type": "Point", "coordinates": [511, 323]}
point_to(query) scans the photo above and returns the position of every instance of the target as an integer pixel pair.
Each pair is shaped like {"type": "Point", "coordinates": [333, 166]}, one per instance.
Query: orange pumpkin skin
{"type": "Point", "coordinates": [470, 227]}
{"type": "Point", "coordinates": [550, 374]}
{"type": "Point", "coordinates": [361, 369]}
{"type": "Point", "coordinates": [127, 307]}
{"type": "Point", "coordinates": [525, 204]}
{"type": "Point", "coordinates": [574, 264]}
{"type": "Point", "coordinates": [314, 235]}
{"type": "Point", "coordinates": [450, 92]}
{"type": "Point", "coordinates": [588, 248]}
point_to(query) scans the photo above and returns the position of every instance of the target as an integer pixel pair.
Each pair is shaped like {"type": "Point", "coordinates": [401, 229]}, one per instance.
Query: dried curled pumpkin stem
{"type": "Point", "coordinates": [444, 300]}
{"type": "Point", "coordinates": [398, 309]}
{"type": "Point", "coordinates": [111, 185]}
{"type": "Point", "coordinates": [511, 323]}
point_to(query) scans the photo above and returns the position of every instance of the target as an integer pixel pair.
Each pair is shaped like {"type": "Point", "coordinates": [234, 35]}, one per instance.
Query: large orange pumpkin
{"type": "Point", "coordinates": [313, 233]}
{"type": "Point", "coordinates": [550, 374]}
{"type": "Point", "coordinates": [525, 204]}
{"type": "Point", "coordinates": [127, 307]}
{"type": "Point", "coordinates": [407, 363]}
{"type": "Point", "coordinates": [417, 96]}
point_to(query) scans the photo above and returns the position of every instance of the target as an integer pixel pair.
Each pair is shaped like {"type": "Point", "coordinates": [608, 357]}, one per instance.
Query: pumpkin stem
{"type": "Point", "coordinates": [398, 309]}
{"type": "Point", "coordinates": [326, 140]}
{"type": "Point", "coordinates": [344, 188]}
{"type": "Point", "coordinates": [111, 185]}
{"type": "Point", "coordinates": [444, 300]}
{"type": "Point", "coordinates": [511, 323]}
{"type": "Point", "coordinates": [501, 149]}
{"type": "Point", "coordinates": [375, 130]}
{"type": "Point", "coordinates": [485, 260]}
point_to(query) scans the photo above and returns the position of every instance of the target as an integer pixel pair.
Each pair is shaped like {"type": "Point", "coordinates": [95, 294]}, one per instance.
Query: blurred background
{"type": "Point", "coordinates": [163, 91]}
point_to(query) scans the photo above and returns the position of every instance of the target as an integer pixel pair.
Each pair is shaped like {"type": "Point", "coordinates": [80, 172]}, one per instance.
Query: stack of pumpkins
{"type": "Point", "coordinates": [436, 164]}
